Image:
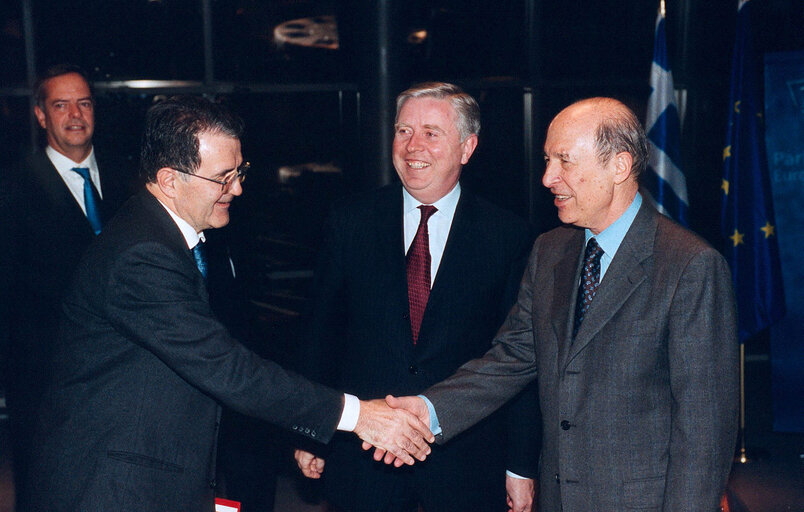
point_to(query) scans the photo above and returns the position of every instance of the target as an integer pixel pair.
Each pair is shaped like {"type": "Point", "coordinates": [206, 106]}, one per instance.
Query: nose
{"type": "Point", "coordinates": [414, 143]}
{"type": "Point", "coordinates": [75, 110]}
{"type": "Point", "coordinates": [550, 176]}
{"type": "Point", "coordinates": [236, 188]}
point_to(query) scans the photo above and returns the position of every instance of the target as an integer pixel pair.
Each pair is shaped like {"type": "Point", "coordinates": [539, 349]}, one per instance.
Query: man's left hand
{"type": "Point", "coordinates": [520, 494]}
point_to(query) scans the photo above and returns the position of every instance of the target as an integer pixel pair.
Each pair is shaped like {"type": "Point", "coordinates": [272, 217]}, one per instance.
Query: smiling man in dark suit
{"type": "Point", "coordinates": [373, 333]}
{"type": "Point", "coordinates": [142, 364]}
{"type": "Point", "coordinates": [47, 227]}
{"type": "Point", "coordinates": [635, 347]}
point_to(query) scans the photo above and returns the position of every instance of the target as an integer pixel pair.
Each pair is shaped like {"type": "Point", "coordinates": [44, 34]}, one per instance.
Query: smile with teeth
{"type": "Point", "coordinates": [561, 197]}
{"type": "Point", "coordinates": [417, 165]}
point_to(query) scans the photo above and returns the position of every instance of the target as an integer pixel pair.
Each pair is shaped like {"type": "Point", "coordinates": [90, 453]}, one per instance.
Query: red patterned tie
{"type": "Point", "coordinates": [418, 268]}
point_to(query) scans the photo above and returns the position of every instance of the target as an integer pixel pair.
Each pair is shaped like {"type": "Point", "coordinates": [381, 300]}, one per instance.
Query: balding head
{"type": "Point", "coordinates": [617, 130]}
{"type": "Point", "coordinates": [594, 151]}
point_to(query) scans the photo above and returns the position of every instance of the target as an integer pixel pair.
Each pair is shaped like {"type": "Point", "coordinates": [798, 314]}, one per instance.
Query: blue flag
{"type": "Point", "coordinates": [747, 220]}
{"type": "Point", "coordinates": [664, 179]}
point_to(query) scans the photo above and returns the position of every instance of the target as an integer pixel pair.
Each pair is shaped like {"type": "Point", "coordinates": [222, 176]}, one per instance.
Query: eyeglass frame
{"type": "Point", "coordinates": [239, 173]}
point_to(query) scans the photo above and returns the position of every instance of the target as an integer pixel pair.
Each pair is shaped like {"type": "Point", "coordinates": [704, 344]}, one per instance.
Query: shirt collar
{"type": "Point", "coordinates": [610, 238]}
{"type": "Point", "coordinates": [187, 231]}
{"type": "Point", "coordinates": [446, 205]}
{"type": "Point", "coordinates": [63, 163]}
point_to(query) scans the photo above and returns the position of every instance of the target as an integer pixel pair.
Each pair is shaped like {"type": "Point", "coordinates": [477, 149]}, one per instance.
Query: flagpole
{"type": "Point", "coordinates": [742, 457]}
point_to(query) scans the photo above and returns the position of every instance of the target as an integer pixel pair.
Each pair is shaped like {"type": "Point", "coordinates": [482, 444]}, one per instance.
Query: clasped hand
{"type": "Point", "coordinates": [397, 428]}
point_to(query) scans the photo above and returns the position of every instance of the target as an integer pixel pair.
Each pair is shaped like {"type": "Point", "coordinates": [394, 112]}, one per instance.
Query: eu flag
{"type": "Point", "coordinates": [664, 179]}
{"type": "Point", "coordinates": [747, 220]}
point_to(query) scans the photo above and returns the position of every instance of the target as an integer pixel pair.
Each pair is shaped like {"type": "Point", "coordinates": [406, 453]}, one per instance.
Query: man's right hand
{"type": "Point", "coordinates": [412, 404]}
{"type": "Point", "coordinates": [399, 436]}
{"type": "Point", "coordinates": [310, 465]}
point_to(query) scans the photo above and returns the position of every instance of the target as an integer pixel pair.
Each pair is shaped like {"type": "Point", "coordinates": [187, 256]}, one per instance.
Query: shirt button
{"type": "Point", "coordinates": [565, 425]}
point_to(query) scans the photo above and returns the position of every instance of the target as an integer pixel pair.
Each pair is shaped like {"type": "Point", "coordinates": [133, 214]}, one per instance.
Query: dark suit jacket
{"type": "Point", "coordinates": [361, 342]}
{"type": "Point", "coordinates": [46, 233]}
{"type": "Point", "coordinates": [141, 366]}
{"type": "Point", "coordinates": [640, 410]}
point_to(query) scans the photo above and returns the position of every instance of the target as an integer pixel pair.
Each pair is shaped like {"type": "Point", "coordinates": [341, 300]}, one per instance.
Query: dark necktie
{"type": "Point", "coordinates": [92, 200]}
{"type": "Point", "coordinates": [590, 279]}
{"type": "Point", "coordinates": [200, 255]}
{"type": "Point", "coordinates": [418, 269]}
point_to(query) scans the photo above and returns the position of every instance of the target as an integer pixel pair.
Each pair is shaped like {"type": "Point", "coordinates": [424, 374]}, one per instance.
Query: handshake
{"type": "Point", "coordinates": [397, 428]}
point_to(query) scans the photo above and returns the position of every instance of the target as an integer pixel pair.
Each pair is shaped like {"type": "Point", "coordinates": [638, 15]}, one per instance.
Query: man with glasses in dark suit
{"type": "Point", "coordinates": [142, 365]}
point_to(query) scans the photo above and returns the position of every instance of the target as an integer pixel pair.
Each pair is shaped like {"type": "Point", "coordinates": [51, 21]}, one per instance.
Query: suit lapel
{"type": "Point", "coordinates": [387, 225]}
{"type": "Point", "coordinates": [623, 276]}
{"type": "Point", "coordinates": [106, 204]}
{"type": "Point", "coordinates": [565, 284]}
{"type": "Point", "coordinates": [459, 246]}
{"type": "Point", "coordinates": [58, 194]}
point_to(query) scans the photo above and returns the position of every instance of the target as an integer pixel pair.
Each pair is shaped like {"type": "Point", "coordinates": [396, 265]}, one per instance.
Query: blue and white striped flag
{"type": "Point", "coordinates": [664, 179]}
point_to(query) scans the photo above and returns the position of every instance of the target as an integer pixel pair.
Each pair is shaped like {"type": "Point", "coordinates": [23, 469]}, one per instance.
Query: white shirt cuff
{"type": "Point", "coordinates": [514, 475]}
{"type": "Point", "coordinates": [351, 411]}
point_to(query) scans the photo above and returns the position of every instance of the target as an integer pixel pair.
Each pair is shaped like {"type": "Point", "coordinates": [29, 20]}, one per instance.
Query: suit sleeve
{"type": "Point", "coordinates": [157, 301]}
{"type": "Point", "coordinates": [703, 361]}
{"type": "Point", "coordinates": [482, 385]}
{"type": "Point", "coordinates": [522, 415]}
{"type": "Point", "coordinates": [324, 329]}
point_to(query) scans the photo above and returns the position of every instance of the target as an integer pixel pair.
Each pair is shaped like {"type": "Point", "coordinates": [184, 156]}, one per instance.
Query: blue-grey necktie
{"type": "Point", "coordinates": [92, 200]}
{"type": "Point", "coordinates": [200, 255]}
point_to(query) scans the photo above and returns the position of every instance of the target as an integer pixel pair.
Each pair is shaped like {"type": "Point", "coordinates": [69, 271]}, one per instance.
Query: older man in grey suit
{"type": "Point", "coordinates": [633, 338]}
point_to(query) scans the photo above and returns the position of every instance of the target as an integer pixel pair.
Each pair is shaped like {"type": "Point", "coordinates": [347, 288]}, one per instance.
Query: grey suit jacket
{"type": "Point", "coordinates": [640, 409]}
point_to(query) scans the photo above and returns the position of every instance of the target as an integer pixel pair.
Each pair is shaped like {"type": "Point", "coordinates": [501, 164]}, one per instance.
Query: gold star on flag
{"type": "Point", "coordinates": [737, 106]}
{"type": "Point", "coordinates": [726, 152]}
{"type": "Point", "coordinates": [769, 230]}
{"type": "Point", "coordinates": [725, 186]}
{"type": "Point", "coordinates": [737, 238]}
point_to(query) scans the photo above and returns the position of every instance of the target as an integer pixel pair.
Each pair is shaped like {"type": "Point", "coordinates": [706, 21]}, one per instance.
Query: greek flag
{"type": "Point", "coordinates": [664, 179]}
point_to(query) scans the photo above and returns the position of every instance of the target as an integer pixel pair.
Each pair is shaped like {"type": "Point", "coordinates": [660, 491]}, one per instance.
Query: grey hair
{"type": "Point", "coordinates": [620, 131]}
{"type": "Point", "coordinates": [465, 105]}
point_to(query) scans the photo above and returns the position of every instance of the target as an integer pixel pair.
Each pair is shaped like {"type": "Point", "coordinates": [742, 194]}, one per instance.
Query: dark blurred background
{"type": "Point", "coordinates": [315, 81]}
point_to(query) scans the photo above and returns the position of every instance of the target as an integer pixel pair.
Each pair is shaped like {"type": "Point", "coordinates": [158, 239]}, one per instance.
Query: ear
{"type": "Point", "coordinates": [166, 180]}
{"type": "Point", "coordinates": [468, 147]}
{"type": "Point", "coordinates": [623, 162]}
{"type": "Point", "coordinates": [40, 116]}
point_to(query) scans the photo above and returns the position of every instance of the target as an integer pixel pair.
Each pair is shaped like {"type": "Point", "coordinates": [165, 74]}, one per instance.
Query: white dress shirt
{"type": "Point", "coordinates": [438, 225]}
{"type": "Point", "coordinates": [73, 180]}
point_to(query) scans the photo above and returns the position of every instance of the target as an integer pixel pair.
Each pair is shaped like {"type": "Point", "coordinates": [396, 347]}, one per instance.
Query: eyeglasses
{"type": "Point", "coordinates": [228, 178]}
